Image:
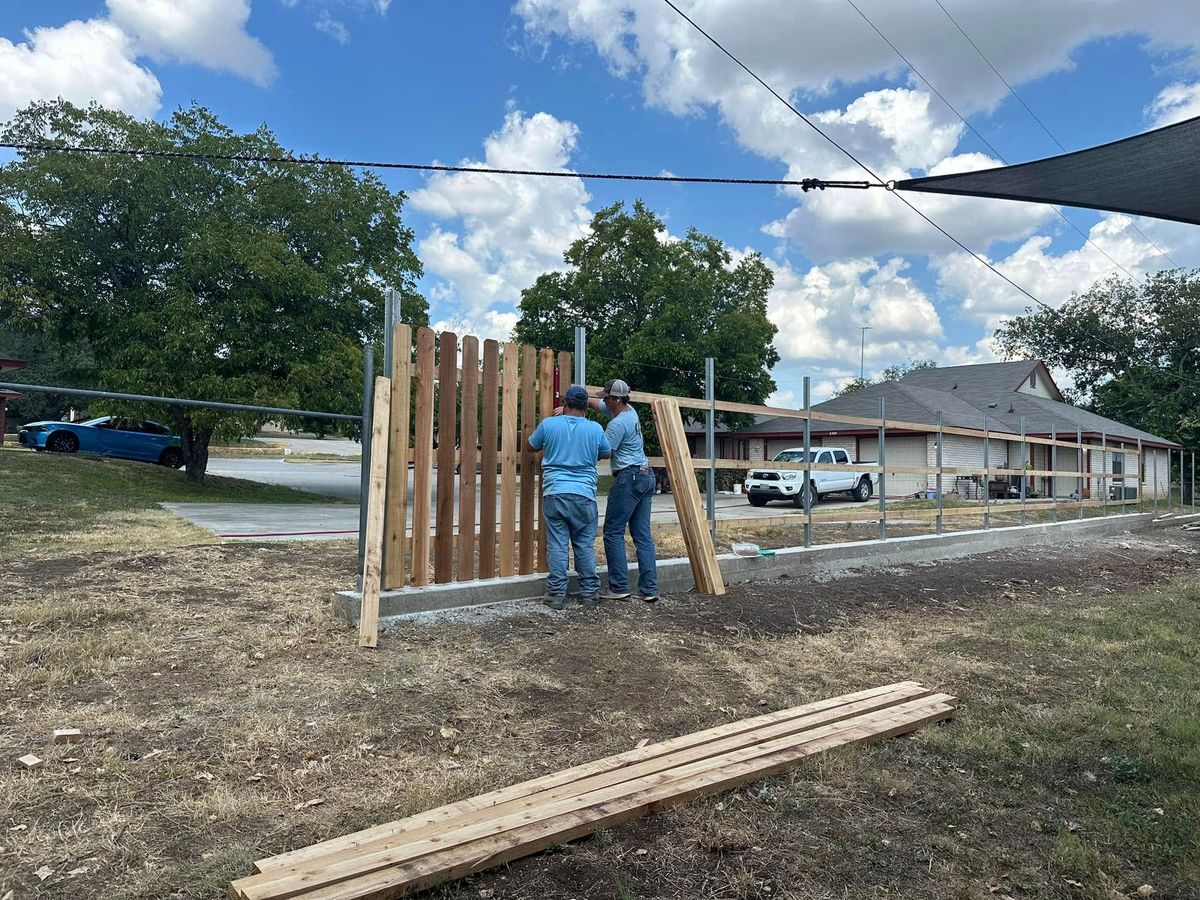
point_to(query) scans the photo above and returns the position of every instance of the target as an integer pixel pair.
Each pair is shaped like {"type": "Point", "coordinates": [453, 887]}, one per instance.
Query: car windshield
{"type": "Point", "coordinates": [795, 456]}
{"type": "Point", "coordinates": [100, 421]}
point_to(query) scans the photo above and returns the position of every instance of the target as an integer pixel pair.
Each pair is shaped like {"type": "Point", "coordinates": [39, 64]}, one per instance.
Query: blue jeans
{"type": "Point", "coordinates": [570, 522]}
{"type": "Point", "coordinates": [629, 505]}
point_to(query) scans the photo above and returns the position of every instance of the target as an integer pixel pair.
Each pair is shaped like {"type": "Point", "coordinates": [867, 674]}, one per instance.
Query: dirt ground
{"type": "Point", "coordinates": [227, 716]}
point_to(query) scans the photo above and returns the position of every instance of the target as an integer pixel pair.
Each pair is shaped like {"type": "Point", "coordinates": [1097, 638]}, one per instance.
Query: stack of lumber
{"type": "Point", "coordinates": [452, 841]}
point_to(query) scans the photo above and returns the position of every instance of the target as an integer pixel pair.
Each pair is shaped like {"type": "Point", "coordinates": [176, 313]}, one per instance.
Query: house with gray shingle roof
{"type": "Point", "coordinates": [1001, 398]}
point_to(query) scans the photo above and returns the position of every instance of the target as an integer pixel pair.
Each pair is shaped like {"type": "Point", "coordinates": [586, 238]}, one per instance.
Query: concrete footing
{"type": "Point", "coordinates": [817, 563]}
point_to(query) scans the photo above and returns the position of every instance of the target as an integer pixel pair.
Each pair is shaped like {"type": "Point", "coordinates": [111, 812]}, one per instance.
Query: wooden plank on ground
{"type": "Point", "coordinates": [447, 429]}
{"type": "Point", "coordinates": [368, 616]}
{"type": "Point", "coordinates": [388, 873]}
{"type": "Point", "coordinates": [898, 691]}
{"type": "Point", "coordinates": [529, 400]}
{"type": "Point", "coordinates": [508, 460]}
{"type": "Point", "coordinates": [545, 410]}
{"type": "Point", "coordinates": [489, 458]}
{"type": "Point", "coordinates": [422, 457]}
{"type": "Point", "coordinates": [686, 494]}
{"type": "Point", "coordinates": [633, 774]}
{"type": "Point", "coordinates": [468, 454]}
{"type": "Point", "coordinates": [394, 575]}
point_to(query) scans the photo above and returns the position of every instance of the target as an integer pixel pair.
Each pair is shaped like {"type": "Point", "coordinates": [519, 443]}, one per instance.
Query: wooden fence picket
{"type": "Point", "coordinates": [508, 461]}
{"type": "Point", "coordinates": [394, 575]}
{"type": "Point", "coordinates": [443, 539]}
{"type": "Point", "coordinates": [488, 459]}
{"type": "Point", "coordinates": [528, 458]}
{"type": "Point", "coordinates": [468, 453]}
{"type": "Point", "coordinates": [422, 457]}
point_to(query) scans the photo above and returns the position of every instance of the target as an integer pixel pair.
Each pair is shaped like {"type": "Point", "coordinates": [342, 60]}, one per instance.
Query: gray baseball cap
{"type": "Point", "coordinates": [615, 388]}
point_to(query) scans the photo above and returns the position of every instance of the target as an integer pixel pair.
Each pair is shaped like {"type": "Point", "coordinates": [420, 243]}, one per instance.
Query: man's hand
{"type": "Point", "coordinates": [558, 411]}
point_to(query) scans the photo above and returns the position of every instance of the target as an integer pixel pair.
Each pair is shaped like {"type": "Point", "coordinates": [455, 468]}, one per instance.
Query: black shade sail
{"type": "Point", "coordinates": [1153, 174]}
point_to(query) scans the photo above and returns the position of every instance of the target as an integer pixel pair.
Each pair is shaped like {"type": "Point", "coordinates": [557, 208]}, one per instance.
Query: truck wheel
{"type": "Point", "coordinates": [811, 493]}
{"type": "Point", "coordinates": [756, 500]}
{"type": "Point", "coordinates": [862, 490]}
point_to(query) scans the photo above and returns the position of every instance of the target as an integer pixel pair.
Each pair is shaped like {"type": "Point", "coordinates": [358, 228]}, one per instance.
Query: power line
{"type": "Point", "coordinates": [803, 183]}
{"type": "Point", "coordinates": [977, 134]}
{"type": "Point", "coordinates": [1049, 133]}
{"type": "Point", "coordinates": [983, 261]}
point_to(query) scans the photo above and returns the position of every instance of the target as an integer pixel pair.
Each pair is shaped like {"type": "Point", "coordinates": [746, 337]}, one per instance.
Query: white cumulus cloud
{"type": "Point", "coordinates": [501, 232]}
{"type": "Point", "coordinates": [1175, 103]}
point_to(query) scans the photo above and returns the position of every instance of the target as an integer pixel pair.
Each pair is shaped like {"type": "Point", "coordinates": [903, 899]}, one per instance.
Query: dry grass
{"type": "Point", "coordinates": [219, 701]}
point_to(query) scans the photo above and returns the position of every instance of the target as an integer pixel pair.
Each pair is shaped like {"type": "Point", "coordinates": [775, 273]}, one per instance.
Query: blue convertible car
{"type": "Point", "coordinates": [107, 436]}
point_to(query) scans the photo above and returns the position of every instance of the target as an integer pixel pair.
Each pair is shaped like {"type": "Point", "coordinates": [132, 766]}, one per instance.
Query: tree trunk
{"type": "Point", "coordinates": [193, 443]}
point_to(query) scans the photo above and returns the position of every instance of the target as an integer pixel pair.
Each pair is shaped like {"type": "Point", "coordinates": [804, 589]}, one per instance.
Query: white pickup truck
{"type": "Point", "coordinates": [764, 484]}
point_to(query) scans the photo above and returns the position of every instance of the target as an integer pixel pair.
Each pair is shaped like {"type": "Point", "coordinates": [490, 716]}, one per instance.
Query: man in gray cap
{"type": "Point", "coordinates": [629, 498]}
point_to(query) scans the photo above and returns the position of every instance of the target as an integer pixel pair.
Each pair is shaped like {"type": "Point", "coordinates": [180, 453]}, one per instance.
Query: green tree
{"type": "Point", "coordinates": [46, 362]}
{"type": "Point", "coordinates": [1132, 350]}
{"type": "Point", "coordinates": [891, 373]}
{"type": "Point", "coordinates": [220, 279]}
{"type": "Point", "coordinates": [655, 308]}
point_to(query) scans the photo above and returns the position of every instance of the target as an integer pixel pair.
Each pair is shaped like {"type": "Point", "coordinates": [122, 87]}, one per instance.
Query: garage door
{"type": "Point", "coordinates": [901, 451]}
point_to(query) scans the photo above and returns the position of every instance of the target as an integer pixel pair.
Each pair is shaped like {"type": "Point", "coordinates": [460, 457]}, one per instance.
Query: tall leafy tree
{"type": "Point", "coordinates": [655, 308]}
{"type": "Point", "coordinates": [1132, 350]}
{"type": "Point", "coordinates": [221, 279]}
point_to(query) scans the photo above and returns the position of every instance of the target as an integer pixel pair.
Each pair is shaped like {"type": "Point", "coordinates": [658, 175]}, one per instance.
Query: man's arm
{"type": "Point", "coordinates": [537, 439]}
{"type": "Point", "coordinates": [605, 449]}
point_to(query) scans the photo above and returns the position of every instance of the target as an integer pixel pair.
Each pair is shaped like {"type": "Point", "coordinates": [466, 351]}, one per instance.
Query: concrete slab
{"type": "Point", "coordinates": [815, 564]}
{"type": "Point", "coordinates": [272, 521]}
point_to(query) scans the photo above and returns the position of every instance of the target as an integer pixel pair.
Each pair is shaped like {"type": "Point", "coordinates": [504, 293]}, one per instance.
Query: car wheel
{"type": "Point", "coordinates": [62, 442]}
{"type": "Point", "coordinates": [811, 493]}
{"type": "Point", "coordinates": [756, 500]}
{"type": "Point", "coordinates": [862, 491]}
{"type": "Point", "coordinates": [172, 458]}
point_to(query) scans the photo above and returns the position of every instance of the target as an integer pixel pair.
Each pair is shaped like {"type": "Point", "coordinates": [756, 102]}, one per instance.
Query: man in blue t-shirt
{"type": "Point", "coordinates": [572, 444]}
{"type": "Point", "coordinates": [629, 498]}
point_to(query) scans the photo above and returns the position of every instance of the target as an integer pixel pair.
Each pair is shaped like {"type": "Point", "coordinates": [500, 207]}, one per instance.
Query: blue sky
{"type": "Point", "coordinates": [624, 85]}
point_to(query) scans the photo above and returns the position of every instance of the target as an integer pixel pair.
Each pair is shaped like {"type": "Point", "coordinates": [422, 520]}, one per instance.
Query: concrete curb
{"type": "Point", "coordinates": [820, 562]}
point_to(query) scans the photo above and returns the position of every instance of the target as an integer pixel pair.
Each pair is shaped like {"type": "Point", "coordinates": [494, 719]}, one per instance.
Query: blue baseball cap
{"type": "Point", "coordinates": [577, 396]}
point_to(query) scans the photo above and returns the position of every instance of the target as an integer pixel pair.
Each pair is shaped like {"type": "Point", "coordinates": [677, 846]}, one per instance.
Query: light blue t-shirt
{"type": "Point", "coordinates": [571, 446]}
{"type": "Point", "coordinates": [624, 433]}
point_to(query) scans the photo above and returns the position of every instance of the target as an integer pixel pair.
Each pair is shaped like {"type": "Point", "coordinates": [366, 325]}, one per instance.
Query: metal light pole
{"type": "Point", "coordinates": [882, 472]}
{"type": "Point", "coordinates": [862, 350]}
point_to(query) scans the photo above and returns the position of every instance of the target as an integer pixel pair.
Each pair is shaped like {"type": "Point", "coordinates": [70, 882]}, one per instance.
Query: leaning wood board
{"type": "Point", "coordinates": [398, 457]}
{"type": "Point", "coordinates": [422, 457]}
{"type": "Point", "coordinates": [528, 458]}
{"type": "Point", "coordinates": [469, 442]}
{"type": "Point", "coordinates": [452, 841]}
{"type": "Point", "coordinates": [443, 539]}
{"type": "Point", "coordinates": [368, 616]}
{"type": "Point", "coordinates": [508, 461]}
{"type": "Point", "coordinates": [489, 458]}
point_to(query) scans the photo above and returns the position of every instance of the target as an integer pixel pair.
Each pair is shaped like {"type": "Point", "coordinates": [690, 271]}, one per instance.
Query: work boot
{"type": "Point", "coordinates": [615, 595]}
{"type": "Point", "coordinates": [650, 598]}
{"type": "Point", "coordinates": [590, 599]}
{"type": "Point", "coordinates": [559, 603]}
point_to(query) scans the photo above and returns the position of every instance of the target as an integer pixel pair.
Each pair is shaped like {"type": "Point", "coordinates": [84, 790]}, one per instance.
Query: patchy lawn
{"type": "Point", "coordinates": [219, 702]}
{"type": "Point", "coordinates": [49, 501]}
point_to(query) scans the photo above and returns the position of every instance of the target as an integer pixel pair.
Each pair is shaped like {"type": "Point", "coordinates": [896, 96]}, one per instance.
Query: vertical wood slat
{"type": "Point", "coordinates": [701, 553]}
{"type": "Point", "coordinates": [528, 458]}
{"type": "Point", "coordinates": [443, 532]}
{"type": "Point", "coordinates": [488, 459]}
{"type": "Point", "coordinates": [467, 455]}
{"type": "Point", "coordinates": [394, 575]}
{"type": "Point", "coordinates": [508, 461]}
{"type": "Point", "coordinates": [564, 374]}
{"type": "Point", "coordinates": [545, 409]}
{"type": "Point", "coordinates": [422, 457]}
{"type": "Point", "coordinates": [368, 617]}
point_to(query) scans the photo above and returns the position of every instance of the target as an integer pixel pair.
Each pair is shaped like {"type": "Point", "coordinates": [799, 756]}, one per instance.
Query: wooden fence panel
{"type": "Point", "coordinates": [394, 575]}
{"type": "Point", "coordinates": [467, 455]}
{"type": "Point", "coordinates": [528, 458]}
{"type": "Point", "coordinates": [443, 540]}
{"type": "Point", "coordinates": [489, 459]}
{"type": "Point", "coordinates": [422, 457]}
{"type": "Point", "coordinates": [545, 409]}
{"type": "Point", "coordinates": [508, 461]}
{"type": "Point", "coordinates": [368, 615]}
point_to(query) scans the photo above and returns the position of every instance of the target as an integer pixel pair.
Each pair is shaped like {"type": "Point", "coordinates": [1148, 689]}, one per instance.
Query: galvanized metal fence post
{"type": "Point", "coordinates": [882, 472]}
{"type": "Point", "coordinates": [987, 475]}
{"type": "Point", "coordinates": [1156, 483]}
{"type": "Point", "coordinates": [808, 523]}
{"type": "Point", "coordinates": [364, 475]}
{"type": "Point", "coordinates": [1103, 473]}
{"type": "Point", "coordinates": [1079, 467]}
{"type": "Point", "coordinates": [1024, 469]}
{"type": "Point", "coordinates": [938, 463]}
{"type": "Point", "coordinates": [1054, 472]}
{"type": "Point", "coordinates": [388, 321]}
{"type": "Point", "coordinates": [1193, 481]}
{"type": "Point", "coordinates": [580, 355]}
{"type": "Point", "coordinates": [710, 425]}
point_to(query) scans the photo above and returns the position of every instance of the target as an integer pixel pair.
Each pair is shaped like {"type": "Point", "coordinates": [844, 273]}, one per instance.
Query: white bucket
{"type": "Point", "coordinates": [737, 487]}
